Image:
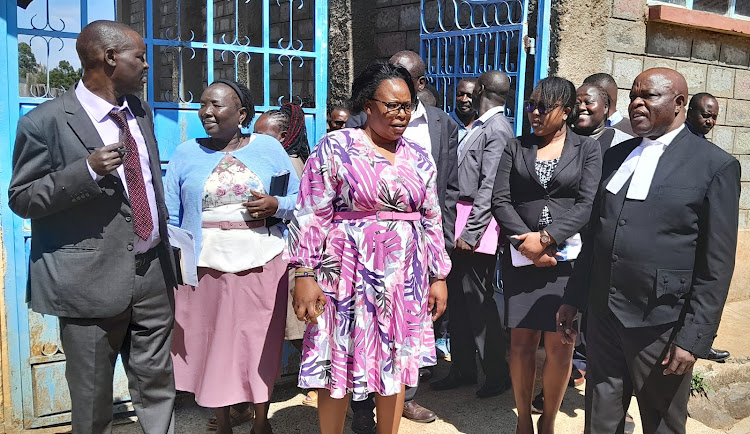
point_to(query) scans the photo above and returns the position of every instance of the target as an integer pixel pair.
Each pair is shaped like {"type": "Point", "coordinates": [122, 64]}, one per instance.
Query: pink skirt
{"type": "Point", "coordinates": [228, 334]}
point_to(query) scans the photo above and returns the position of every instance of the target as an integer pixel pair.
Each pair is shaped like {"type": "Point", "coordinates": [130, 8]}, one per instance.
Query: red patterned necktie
{"type": "Point", "coordinates": [142, 223]}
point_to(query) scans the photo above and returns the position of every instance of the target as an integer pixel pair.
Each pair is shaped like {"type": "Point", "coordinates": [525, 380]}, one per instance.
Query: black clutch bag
{"type": "Point", "coordinates": [279, 184]}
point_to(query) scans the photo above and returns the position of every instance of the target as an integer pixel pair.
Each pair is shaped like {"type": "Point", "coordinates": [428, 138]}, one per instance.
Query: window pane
{"type": "Point", "coordinates": [184, 21]}
{"type": "Point", "coordinates": [292, 80]}
{"type": "Point", "coordinates": [714, 6]}
{"type": "Point", "coordinates": [742, 7]}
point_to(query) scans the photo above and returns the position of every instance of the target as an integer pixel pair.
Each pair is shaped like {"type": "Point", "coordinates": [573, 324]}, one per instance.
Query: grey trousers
{"type": "Point", "coordinates": [142, 335]}
{"type": "Point", "coordinates": [627, 361]}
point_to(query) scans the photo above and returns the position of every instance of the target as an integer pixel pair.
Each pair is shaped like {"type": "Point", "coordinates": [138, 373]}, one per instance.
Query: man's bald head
{"type": "Point", "coordinates": [496, 82]}
{"type": "Point", "coordinates": [657, 102]}
{"type": "Point", "coordinates": [97, 37]}
{"type": "Point", "coordinates": [490, 91]}
{"type": "Point", "coordinates": [412, 63]}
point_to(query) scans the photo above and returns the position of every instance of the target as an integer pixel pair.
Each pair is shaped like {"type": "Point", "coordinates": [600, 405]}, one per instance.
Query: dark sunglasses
{"type": "Point", "coordinates": [541, 107]}
{"type": "Point", "coordinates": [395, 107]}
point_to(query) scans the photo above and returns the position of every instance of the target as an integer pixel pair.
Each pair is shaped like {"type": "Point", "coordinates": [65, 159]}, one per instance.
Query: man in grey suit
{"type": "Point", "coordinates": [433, 128]}
{"type": "Point", "coordinates": [86, 171]}
{"type": "Point", "coordinates": [657, 263]}
{"type": "Point", "coordinates": [475, 323]}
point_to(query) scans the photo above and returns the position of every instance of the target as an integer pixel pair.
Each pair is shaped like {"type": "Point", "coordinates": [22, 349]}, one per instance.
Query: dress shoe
{"type": "Point", "coordinates": [577, 377]}
{"type": "Point", "coordinates": [363, 422]}
{"type": "Point", "coordinates": [629, 424]}
{"type": "Point", "coordinates": [493, 388]}
{"type": "Point", "coordinates": [452, 381]}
{"type": "Point", "coordinates": [717, 355]}
{"type": "Point", "coordinates": [417, 413]}
{"type": "Point", "coordinates": [537, 404]}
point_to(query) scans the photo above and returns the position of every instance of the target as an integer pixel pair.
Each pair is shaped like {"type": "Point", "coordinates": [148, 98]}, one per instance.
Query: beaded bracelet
{"type": "Point", "coordinates": [304, 274]}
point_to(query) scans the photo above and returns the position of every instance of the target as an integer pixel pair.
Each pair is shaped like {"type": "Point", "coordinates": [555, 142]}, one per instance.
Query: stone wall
{"type": "Point", "coordinates": [628, 43]}
{"type": "Point", "coordinates": [340, 52]}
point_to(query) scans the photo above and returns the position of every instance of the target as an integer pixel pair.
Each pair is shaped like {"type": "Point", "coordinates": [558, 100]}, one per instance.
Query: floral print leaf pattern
{"type": "Point", "coordinates": [375, 332]}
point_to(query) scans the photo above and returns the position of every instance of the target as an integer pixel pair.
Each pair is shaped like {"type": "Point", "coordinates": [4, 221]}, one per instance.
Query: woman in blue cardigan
{"type": "Point", "coordinates": [229, 330]}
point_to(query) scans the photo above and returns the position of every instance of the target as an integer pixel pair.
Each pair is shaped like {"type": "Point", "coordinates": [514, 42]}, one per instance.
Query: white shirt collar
{"type": "Point", "coordinates": [641, 165]}
{"type": "Point", "coordinates": [615, 118]}
{"type": "Point", "coordinates": [667, 139]}
{"type": "Point", "coordinates": [97, 106]}
{"type": "Point", "coordinates": [489, 113]}
{"type": "Point", "coordinates": [419, 112]}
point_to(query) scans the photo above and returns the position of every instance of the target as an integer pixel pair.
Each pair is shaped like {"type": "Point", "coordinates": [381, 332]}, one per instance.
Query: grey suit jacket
{"type": "Point", "coordinates": [444, 142]}
{"type": "Point", "coordinates": [477, 168]}
{"type": "Point", "coordinates": [668, 258]}
{"type": "Point", "coordinates": [82, 262]}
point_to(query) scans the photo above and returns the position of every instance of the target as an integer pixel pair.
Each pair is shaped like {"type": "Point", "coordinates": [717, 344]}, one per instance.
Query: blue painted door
{"type": "Point", "coordinates": [464, 38]}
{"type": "Point", "coordinates": [276, 47]}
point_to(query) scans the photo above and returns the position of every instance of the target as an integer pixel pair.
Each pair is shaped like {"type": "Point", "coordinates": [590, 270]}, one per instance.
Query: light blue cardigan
{"type": "Point", "coordinates": [191, 164]}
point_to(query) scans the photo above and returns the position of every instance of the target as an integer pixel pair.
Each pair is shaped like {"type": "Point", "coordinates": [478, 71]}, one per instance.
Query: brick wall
{"type": "Point", "coordinates": [381, 28]}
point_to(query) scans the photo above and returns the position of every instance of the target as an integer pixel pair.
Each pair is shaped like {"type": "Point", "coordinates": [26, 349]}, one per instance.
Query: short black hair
{"type": "Point", "coordinates": [697, 98]}
{"type": "Point", "coordinates": [337, 107]}
{"type": "Point", "coordinates": [600, 79]}
{"type": "Point", "coordinates": [243, 96]}
{"type": "Point", "coordinates": [368, 81]}
{"type": "Point", "coordinates": [553, 89]}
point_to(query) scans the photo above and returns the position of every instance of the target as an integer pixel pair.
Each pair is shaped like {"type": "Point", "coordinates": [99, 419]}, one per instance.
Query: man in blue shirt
{"type": "Point", "coordinates": [464, 113]}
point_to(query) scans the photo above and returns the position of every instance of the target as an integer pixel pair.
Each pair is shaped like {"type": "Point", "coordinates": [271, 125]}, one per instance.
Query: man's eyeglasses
{"type": "Point", "coordinates": [541, 107]}
{"type": "Point", "coordinates": [394, 107]}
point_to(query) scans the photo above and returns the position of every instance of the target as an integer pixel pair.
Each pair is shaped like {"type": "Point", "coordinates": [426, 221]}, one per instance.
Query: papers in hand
{"type": "Point", "coordinates": [186, 265]}
{"type": "Point", "coordinates": [567, 250]}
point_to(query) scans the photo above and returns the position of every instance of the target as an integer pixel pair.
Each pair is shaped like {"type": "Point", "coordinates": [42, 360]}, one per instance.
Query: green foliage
{"type": "Point", "coordinates": [26, 60]}
{"type": "Point", "coordinates": [64, 76]}
{"type": "Point", "coordinates": [699, 385]}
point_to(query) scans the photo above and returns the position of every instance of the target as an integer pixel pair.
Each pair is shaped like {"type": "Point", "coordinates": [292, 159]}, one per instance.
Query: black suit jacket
{"type": "Point", "coordinates": [518, 197]}
{"type": "Point", "coordinates": [82, 261]}
{"type": "Point", "coordinates": [668, 258]}
{"type": "Point", "coordinates": [444, 141]}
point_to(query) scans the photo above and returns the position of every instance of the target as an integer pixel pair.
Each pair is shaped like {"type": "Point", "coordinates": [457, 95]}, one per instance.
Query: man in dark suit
{"type": "Point", "coordinates": [434, 129]}
{"type": "Point", "coordinates": [475, 323]}
{"type": "Point", "coordinates": [703, 109]}
{"type": "Point", "coordinates": [86, 171]}
{"type": "Point", "coordinates": [657, 263]}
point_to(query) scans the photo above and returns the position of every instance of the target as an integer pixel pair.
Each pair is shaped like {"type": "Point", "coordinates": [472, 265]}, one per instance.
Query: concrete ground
{"type": "Point", "coordinates": [459, 411]}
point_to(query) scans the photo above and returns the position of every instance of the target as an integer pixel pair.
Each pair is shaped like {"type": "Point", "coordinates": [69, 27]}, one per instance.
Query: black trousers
{"type": "Point", "coordinates": [475, 326]}
{"type": "Point", "coordinates": [142, 335]}
{"type": "Point", "coordinates": [626, 361]}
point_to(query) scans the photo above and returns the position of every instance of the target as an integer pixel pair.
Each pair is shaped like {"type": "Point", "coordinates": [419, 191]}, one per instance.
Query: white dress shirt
{"type": "Point", "coordinates": [418, 129]}
{"type": "Point", "coordinates": [477, 124]}
{"type": "Point", "coordinates": [641, 165]}
{"type": "Point", "coordinates": [98, 111]}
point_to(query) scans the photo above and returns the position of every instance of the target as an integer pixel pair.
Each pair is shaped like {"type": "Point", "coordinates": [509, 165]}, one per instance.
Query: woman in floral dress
{"type": "Point", "coordinates": [368, 228]}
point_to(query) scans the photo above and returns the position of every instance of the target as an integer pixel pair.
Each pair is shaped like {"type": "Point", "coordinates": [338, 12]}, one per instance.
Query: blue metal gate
{"type": "Point", "coordinates": [276, 47]}
{"type": "Point", "coordinates": [464, 38]}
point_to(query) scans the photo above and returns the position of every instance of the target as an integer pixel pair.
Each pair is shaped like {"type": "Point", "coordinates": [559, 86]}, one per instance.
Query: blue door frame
{"type": "Point", "coordinates": [38, 392]}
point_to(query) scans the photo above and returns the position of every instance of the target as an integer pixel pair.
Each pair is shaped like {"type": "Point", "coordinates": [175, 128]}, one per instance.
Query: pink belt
{"type": "Point", "coordinates": [377, 215]}
{"type": "Point", "coordinates": [235, 225]}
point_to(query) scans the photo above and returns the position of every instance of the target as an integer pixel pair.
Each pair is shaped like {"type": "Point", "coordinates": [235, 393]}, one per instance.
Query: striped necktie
{"type": "Point", "coordinates": [143, 225]}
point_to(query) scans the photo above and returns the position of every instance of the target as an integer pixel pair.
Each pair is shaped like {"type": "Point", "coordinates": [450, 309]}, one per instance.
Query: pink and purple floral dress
{"type": "Point", "coordinates": [376, 330]}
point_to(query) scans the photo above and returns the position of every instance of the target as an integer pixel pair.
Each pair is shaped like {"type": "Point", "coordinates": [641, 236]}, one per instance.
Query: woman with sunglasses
{"type": "Point", "coordinates": [542, 199]}
{"type": "Point", "coordinates": [368, 247]}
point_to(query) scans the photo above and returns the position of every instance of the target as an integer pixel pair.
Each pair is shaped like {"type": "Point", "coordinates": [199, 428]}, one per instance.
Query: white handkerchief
{"type": "Point", "coordinates": [641, 165]}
